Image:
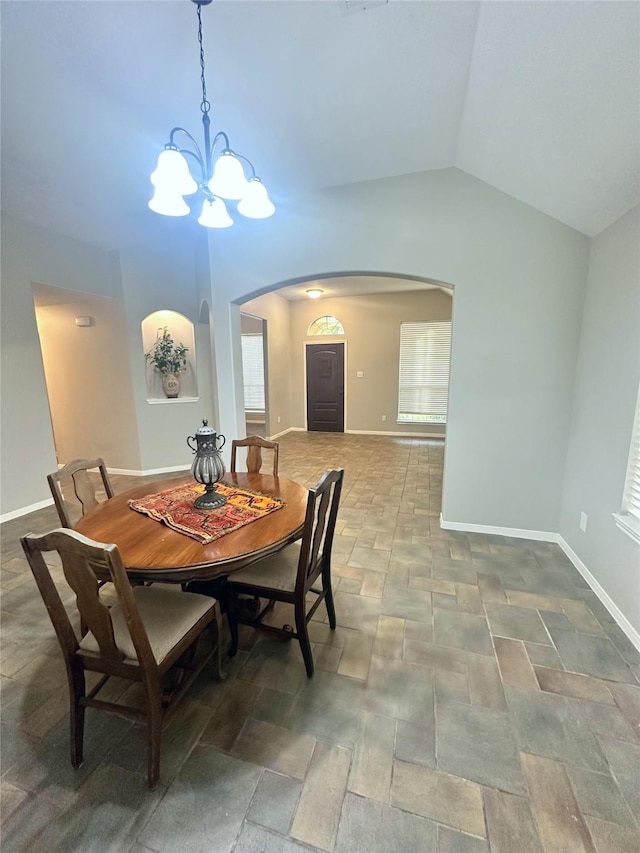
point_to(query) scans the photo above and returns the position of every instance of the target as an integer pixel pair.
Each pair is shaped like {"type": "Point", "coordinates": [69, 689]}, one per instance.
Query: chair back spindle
{"type": "Point", "coordinates": [255, 444]}
{"type": "Point", "coordinates": [319, 527]}
{"type": "Point", "coordinates": [78, 472]}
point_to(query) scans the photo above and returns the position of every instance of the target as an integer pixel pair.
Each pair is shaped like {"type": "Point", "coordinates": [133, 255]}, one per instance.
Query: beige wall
{"type": "Point", "coordinates": [372, 338]}
{"type": "Point", "coordinates": [250, 325]}
{"type": "Point", "coordinates": [87, 377]}
{"type": "Point", "coordinates": [275, 310]}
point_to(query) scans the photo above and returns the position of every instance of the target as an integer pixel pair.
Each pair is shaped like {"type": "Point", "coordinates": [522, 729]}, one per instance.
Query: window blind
{"type": "Point", "coordinates": [253, 372]}
{"type": "Point", "coordinates": [631, 500]}
{"type": "Point", "coordinates": [423, 388]}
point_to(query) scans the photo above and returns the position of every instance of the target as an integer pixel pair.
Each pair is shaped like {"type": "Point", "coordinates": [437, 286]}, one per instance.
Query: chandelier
{"type": "Point", "coordinates": [224, 179]}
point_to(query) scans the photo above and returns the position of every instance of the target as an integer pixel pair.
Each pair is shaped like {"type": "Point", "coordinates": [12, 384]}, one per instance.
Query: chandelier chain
{"type": "Point", "coordinates": [205, 106]}
{"type": "Point", "coordinates": [223, 179]}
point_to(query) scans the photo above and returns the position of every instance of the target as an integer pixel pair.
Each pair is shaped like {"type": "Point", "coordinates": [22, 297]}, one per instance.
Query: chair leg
{"type": "Point", "coordinates": [154, 733]}
{"type": "Point", "coordinates": [303, 637]}
{"type": "Point", "coordinates": [233, 623]}
{"type": "Point", "coordinates": [76, 714]}
{"type": "Point", "coordinates": [328, 600]}
{"type": "Point", "coordinates": [216, 628]}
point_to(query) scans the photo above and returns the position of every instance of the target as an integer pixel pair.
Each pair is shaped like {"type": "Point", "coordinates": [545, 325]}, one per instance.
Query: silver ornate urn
{"type": "Point", "coordinates": [208, 467]}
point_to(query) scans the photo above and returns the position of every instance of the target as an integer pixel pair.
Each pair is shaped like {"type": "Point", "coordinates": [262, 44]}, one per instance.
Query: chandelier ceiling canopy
{"type": "Point", "coordinates": [220, 173]}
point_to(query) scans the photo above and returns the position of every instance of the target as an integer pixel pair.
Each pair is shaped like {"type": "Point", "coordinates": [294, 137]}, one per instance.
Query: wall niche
{"type": "Point", "coordinates": [181, 330]}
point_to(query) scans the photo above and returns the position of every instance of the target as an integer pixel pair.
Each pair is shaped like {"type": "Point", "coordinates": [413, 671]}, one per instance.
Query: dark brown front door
{"type": "Point", "coordinates": [325, 387]}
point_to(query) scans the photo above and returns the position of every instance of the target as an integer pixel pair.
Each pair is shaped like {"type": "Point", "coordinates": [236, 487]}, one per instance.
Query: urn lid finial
{"type": "Point", "coordinates": [205, 429]}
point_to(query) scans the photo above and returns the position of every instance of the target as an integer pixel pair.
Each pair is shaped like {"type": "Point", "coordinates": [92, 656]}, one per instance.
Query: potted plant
{"type": "Point", "coordinates": [169, 360]}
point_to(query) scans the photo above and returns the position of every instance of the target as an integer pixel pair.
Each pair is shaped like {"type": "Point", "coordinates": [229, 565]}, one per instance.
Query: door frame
{"type": "Point", "coordinates": [324, 339]}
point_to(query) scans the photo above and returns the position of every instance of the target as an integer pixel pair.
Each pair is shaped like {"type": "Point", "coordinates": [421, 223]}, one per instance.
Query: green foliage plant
{"type": "Point", "coordinates": [165, 356]}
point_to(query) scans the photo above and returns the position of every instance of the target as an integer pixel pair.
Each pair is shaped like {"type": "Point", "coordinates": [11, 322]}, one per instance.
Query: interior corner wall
{"type": "Point", "coordinates": [607, 380]}
{"type": "Point", "coordinates": [32, 254]}
{"type": "Point", "coordinates": [519, 279]}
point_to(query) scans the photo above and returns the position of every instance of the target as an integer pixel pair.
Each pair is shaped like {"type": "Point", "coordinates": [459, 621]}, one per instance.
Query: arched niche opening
{"type": "Point", "coordinates": [182, 332]}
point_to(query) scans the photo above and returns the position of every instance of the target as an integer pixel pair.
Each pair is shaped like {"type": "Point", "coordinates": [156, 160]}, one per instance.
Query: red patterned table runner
{"type": "Point", "coordinates": [174, 507]}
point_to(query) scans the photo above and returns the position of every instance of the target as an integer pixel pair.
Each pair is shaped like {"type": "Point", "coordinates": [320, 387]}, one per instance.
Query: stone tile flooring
{"type": "Point", "coordinates": [475, 697]}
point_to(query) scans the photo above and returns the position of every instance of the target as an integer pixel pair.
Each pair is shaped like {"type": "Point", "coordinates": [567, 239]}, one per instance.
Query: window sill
{"type": "Point", "coordinates": [422, 423]}
{"type": "Point", "coordinates": [155, 401]}
{"type": "Point", "coordinates": [629, 525]}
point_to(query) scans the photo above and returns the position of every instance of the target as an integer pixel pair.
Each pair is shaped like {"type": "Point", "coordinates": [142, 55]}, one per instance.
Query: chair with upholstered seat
{"type": "Point", "coordinates": [289, 575]}
{"type": "Point", "coordinates": [77, 471]}
{"type": "Point", "coordinates": [149, 635]}
{"type": "Point", "coordinates": [255, 444]}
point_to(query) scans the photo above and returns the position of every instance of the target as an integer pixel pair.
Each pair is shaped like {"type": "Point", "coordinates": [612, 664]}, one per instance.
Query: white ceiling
{"type": "Point", "coordinates": [539, 99]}
{"type": "Point", "coordinates": [358, 285]}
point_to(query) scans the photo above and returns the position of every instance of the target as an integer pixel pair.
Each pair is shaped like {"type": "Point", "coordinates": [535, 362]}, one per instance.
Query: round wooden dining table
{"type": "Point", "coordinates": [151, 551]}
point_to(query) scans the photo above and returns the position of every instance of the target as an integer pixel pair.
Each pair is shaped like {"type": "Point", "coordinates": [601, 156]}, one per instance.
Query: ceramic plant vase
{"type": "Point", "coordinates": [171, 385]}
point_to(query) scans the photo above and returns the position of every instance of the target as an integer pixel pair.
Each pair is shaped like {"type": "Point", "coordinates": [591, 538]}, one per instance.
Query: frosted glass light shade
{"type": "Point", "coordinates": [214, 214]}
{"type": "Point", "coordinates": [228, 179]}
{"type": "Point", "coordinates": [256, 203]}
{"type": "Point", "coordinates": [172, 173]}
{"type": "Point", "coordinates": [168, 203]}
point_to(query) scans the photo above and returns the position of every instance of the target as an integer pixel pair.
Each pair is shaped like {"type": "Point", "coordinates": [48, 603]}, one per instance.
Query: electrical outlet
{"type": "Point", "coordinates": [359, 374]}
{"type": "Point", "coordinates": [583, 522]}
{"type": "Point", "coordinates": [384, 417]}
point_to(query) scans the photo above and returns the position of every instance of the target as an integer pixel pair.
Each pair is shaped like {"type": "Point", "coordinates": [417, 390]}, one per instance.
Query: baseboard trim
{"type": "Point", "coordinates": [129, 472]}
{"type": "Point", "coordinates": [285, 431]}
{"type": "Point", "coordinates": [397, 434]}
{"type": "Point", "coordinates": [619, 617]}
{"type": "Point", "coordinates": [25, 510]}
{"type": "Point", "coordinates": [369, 432]}
{"type": "Point", "coordinates": [514, 532]}
{"type": "Point", "coordinates": [542, 536]}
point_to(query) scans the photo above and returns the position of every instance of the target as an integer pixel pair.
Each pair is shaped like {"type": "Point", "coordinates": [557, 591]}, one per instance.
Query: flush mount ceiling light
{"type": "Point", "coordinates": [314, 292]}
{"type": "Point", "coordinates": [226, 180]}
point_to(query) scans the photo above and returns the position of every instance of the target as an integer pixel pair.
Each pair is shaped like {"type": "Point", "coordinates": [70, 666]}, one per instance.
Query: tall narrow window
{"type": "Point", "coordinates": [423, 389]}
{"type": "Point", "coordinates": [629, 518]}
{"type": "Point", "coordinates": [253, 372]}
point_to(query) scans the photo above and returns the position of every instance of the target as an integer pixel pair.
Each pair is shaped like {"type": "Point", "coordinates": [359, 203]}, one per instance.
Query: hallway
{"type": "Point", "coordinates": [475, 697]}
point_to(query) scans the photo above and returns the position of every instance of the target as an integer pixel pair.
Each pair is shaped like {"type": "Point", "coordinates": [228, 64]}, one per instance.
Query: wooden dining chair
{"type": "Point", "coordinates": [78, 472]}
{"type": "Point", "coordinates": [290, 574]}
{"type": "Point", "coordinates": [256, 445]}
{"type": "Point", "coordinates": [149, 635]}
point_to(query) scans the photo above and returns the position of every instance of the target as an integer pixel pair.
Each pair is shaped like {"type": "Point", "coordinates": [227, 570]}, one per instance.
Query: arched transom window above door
{"type": "Point", "coordinates": [326, 325]}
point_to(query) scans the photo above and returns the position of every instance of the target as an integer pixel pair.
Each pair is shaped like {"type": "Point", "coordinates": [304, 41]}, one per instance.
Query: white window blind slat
{"type": "Point", "coordinates": [423, 389]}
{"type": "Point", "coordinates": [253, 372]}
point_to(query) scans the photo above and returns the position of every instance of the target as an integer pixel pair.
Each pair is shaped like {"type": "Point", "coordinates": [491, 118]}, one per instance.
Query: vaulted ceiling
{"type": "Point", "coordinates": [539, 99]}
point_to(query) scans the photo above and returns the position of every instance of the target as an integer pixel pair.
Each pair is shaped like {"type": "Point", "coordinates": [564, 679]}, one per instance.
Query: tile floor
{"type": "Point", "coordinates": [475, 697]}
